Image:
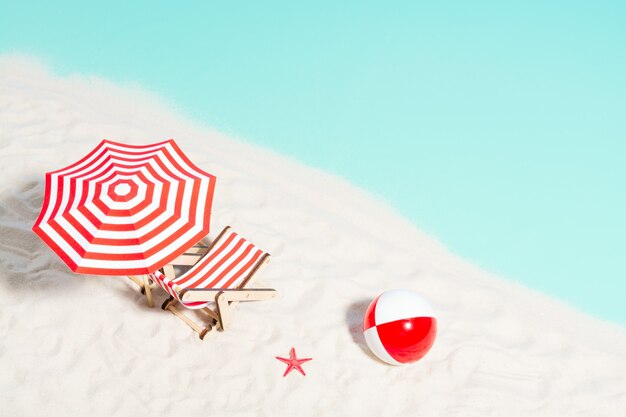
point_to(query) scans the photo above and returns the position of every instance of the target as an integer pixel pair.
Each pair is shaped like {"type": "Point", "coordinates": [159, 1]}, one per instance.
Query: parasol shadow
{"type": "Point", "coordinates": [26, 263]}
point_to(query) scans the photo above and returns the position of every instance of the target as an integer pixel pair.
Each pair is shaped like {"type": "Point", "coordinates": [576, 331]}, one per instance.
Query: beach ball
{"type": "Point", "coordinates": [399, 327]}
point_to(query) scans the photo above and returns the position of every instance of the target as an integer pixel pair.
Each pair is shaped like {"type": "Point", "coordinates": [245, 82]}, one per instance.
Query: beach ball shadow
{"type": "Point", "coordinates": [26, 263]}
{"type": "Point", "coordinates": [354, 321]}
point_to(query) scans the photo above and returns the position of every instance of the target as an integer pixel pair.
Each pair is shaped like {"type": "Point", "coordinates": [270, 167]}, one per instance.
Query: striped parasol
{"type": "Point", "coordinates": [125, 209]}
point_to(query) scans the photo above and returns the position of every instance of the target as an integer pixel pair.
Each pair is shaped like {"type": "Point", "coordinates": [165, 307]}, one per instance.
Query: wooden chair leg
{"type": "Point", "coordinates": [144, 286]}
{"type": "Point", "coordinates": [136, 280]}
{"type": "Point", "coordinates": [148, 290]}
{"type": "Point", "coordinates": [169, 305]}
{"type": "Point", "coordinates": [211, 315]}
{"type": "Point", "coordinates": [226, 299]}
{"type": "Point", "coordinates": [223, 311]}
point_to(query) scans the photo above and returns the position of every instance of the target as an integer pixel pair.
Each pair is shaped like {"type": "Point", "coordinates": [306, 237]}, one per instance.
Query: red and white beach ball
{"type": "Point", "coordinates": [399, 327]}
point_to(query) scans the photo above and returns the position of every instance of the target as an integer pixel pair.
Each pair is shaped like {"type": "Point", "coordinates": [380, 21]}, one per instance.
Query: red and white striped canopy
{"type": "Point", "coordinates": [125, 209]}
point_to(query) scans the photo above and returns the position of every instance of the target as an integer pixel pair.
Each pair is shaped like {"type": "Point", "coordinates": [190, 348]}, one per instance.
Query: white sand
{"type": "Point", "coordinates": [75, 345]}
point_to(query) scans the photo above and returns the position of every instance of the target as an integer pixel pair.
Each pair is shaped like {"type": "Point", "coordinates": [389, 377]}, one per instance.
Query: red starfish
{"type": "Point", "coordinates": [293, 362]}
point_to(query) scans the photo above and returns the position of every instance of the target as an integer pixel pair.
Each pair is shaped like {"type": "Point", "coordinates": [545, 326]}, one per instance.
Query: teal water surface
{"type": "Point", "coordinates": [499, 129]}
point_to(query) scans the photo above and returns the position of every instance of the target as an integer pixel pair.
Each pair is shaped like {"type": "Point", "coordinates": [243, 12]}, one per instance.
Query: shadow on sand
{"type": "Point", "coordinates": [26, 263]}
{"type": "Point", "coordinates": [354, 321]}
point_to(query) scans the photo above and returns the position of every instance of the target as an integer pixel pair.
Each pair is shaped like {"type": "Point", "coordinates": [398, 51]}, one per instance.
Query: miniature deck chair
{"type": "Point", "coordinates": [216, 282]}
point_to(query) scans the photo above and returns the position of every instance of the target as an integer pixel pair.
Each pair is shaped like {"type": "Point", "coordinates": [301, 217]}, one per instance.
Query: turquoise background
{"type": "Point", "coordinates": [498, 128]}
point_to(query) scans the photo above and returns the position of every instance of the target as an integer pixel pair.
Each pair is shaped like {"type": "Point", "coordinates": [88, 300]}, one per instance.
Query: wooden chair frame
{"type": "Point", "coordinates": [225, 298]}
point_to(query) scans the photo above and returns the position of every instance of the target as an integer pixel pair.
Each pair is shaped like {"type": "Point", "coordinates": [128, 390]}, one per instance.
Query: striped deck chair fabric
{"type": "Point", "coordinates": [228, 264]}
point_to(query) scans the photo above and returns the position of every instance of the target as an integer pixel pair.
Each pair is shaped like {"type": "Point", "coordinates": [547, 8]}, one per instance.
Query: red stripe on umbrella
{"type": "Point", "coordinates": [125, 209]}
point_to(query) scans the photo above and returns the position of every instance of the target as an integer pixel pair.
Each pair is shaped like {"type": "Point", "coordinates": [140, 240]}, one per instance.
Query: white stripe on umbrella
{"type": "Point", "coordinates": [125, 209]}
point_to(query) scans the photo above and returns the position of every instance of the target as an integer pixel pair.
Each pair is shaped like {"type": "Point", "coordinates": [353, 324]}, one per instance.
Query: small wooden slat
{"type": "Point", "coordinates": [197, 249]}
{"type": "Point", "coordinates": [168, 271]}
{"type": "Point", "coordinates": [186, 259]}
{"type": "Point", "coordinates": [210, 313]}
{"type": "Point", "coordinates": [252, 294]}
{"type": "Point", "coordinates": [184, 318]}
